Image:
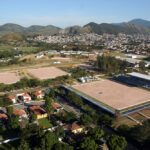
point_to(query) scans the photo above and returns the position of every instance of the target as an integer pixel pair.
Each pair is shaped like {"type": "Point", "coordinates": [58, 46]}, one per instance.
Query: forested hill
{"type": "Point", "coordinates": [132, 27]}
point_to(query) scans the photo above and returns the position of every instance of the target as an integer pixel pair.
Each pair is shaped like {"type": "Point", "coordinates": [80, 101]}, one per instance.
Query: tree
{"type": "Point", "coordinates": [124, 130]}
{"type": "Point", "coordinates": [59, 146]}
{"type": "Point", "coordinates": [86, 119]}
{"type": "Point", "coordinates": [33, 118]}
{"type": "Point", "coordinates": [52, 94]}
{"type": "Point", "coordinates": [96, 133]}
{"type": "Point", "coordinates": [9, 111]}
{"type": "Point", "coordinates": [48, 105]}
{"type": "Point", "coordinates": [105, 119]}
{"type": "Point", "coordinates": [142, 66]}
{"type": "Point", "coordinates": [116, 142]}
{"type": "Point", "coordinates": [48, 141]}
{"type": "Point", "coordinates": [59, 132]}
{"type": "Point", "coordinates": [88, 144]}
{"type": "Point", "coordinates": [23, 145]}
{"type": "Point", "coordinates": [33, 97]}
{"type": "Point", "coordinates": [74, 98]}
{"type": "Point", "coordinates": [141, 133]}
{"type": "Point", "coordinates": [14, 122]}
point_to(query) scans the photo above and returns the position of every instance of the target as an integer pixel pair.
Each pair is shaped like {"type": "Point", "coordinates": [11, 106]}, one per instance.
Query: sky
{"type": "Point", "coordinates": [63, 13]}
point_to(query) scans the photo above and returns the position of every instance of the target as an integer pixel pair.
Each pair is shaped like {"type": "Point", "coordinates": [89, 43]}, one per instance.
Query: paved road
{"type": "Point", "coordinates": [69, 107]}
{"type": "Point", "coordinates": [24, 106]}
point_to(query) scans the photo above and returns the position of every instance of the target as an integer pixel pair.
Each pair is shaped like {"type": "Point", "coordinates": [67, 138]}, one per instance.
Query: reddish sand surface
{"type": "Point", "coordinates": [146, 112]}
{"type": "Point", "coordinates": [8, 78]}
{"type": "Point", "coordinates": [114, 94]}
{"type": "Point", "coordinates": [47, 73]}
{"type": "Point", "coordinates": [61, 58]}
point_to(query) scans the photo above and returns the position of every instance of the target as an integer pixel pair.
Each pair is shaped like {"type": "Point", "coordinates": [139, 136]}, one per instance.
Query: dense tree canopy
{"type": "Point", "coordinates": [108, 64]}
{"type": "Point", "coordinates": [116, 142]}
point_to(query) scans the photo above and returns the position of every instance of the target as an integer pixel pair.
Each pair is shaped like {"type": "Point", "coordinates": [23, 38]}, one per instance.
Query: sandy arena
{"type": "Point", "coordinates": [114, 94]}
{"type": "Point", "coordinates": [47, 72]}
{"type": "Point", "coordinates": [9, 78]}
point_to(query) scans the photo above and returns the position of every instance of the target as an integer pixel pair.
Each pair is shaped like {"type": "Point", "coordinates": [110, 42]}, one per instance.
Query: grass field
{"type": "Point", "coordinates": [45, 123]}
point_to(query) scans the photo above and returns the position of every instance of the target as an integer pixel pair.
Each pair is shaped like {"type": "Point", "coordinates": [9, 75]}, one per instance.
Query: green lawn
{"type": "Point", "coordinates": [45, 123]}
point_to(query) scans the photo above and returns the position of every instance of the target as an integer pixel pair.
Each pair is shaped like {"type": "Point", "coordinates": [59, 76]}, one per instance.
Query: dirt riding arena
{"type": "Point", "coordinates": [9, 78]}
{"type": "Point", "coordinates": [47, 73]}
{"type": "Point", "coordinates": [114, 94]}
{"type": "Point", "coordinates": [61, 58]}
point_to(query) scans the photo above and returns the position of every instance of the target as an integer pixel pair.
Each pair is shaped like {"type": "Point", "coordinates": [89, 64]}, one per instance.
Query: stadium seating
{"type": "Point", "coordinates": [134, 81]}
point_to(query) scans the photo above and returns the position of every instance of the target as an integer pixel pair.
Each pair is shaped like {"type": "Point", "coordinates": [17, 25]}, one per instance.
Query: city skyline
{"type": "Point", "coordinates": [68, 12]}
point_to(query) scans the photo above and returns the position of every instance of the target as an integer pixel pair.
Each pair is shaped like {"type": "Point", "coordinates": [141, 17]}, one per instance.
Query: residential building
{"type": "Point", "coordinates": [57, 107]}
{"type": "Point", "coordinates": [74, 128]}
{"type": "Point", "coordinates": [21, 113]}
{"type": "Point", "coordinates": [12, 98]}
{"type": "Point", "coordinates": [38, 111]}
{"type": "Point", "coordinates": [39, 94]}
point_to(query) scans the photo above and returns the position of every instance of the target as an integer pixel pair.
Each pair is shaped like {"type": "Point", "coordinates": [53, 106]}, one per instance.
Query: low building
{"type": "Point", "coordinates": [12, 98]}
{"type": "Point", "coordinates": [39, 56]}
{"type": "Point", "coordinates": [74, 128]}
{"type": "Point", "coordinates": [39, 94]}
{"type": "Point", "coordinates": [21, 113]}
{"type": "Point", "coordinates": [57, 107]}
{"type": "Point", "coordinates": [38, 111]}
{"type": "Point", "coordinates": [3, 118]}
{"type": "Point", "coordinates": [26, 97]}
{"type": "Point", "coordinates": [23, 97]}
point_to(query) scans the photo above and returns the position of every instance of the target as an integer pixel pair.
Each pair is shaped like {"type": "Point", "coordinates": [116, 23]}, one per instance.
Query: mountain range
{"type": "Point", "coordinates": [132, 27]}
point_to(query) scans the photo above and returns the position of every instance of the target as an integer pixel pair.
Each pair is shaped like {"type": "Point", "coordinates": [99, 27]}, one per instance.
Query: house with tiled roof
{"type": "Point", "coordinates": [39, 94]}
{"type": "Point", "coordinates": [3, 118]}
{"type": "Point", "coordinates": [12, 98]}
{"type": "Point", "coordinates": [26, 97]}
{"type": "Point", "coordinates": [23, 97]}
{"type": "Point", "coordinates": [38, 111]}
{"type": "Point", "coordinates": [74, 128]}
{"type": "Point", "coordinates": [57, 107]}
{"type": "Point", "coordinates": [21, 113]}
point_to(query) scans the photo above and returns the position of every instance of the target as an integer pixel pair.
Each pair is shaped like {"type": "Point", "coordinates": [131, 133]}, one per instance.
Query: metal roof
{"type": "Point", "coordinates": [139, 75]}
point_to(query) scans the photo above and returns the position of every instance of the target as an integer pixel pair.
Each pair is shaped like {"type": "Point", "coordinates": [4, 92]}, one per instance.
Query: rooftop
{"type": "Point", "coordinates": [37, 110]}
{"type": "Point", "coordinates": [139, 75]}
{"type": "Point", "coordinates": [55, 105]}
{"type": "Point", "coordinates": [19, 112]}
{"type": "Point", "coordinates": [3, 116]}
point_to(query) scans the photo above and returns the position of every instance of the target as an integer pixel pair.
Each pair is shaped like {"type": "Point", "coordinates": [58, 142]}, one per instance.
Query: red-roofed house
{"type": "Point", "coordinates": [74, 128]}
{"type": "Point", "coordinates": [57, 107]}
{"type": "Point", "coordinates": [39, 94]}
{"type": "Point", "coordinates": [38, 111]}
{"type": "Point", "coordinates": [3, 118]}
{"type": "Point", "coordinates": [12, 98]}
{"type": "Point", "coordinates": [21, 113]}
{"type": "Point", "coordinates": [26, 97]}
